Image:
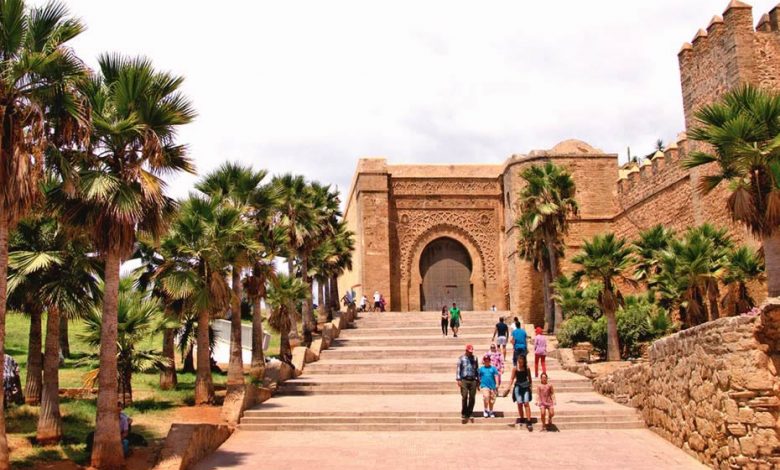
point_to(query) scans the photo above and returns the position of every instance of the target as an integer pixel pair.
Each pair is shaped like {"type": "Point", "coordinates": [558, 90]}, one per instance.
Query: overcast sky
{"type": "Point", "coordinates": [309, 87]}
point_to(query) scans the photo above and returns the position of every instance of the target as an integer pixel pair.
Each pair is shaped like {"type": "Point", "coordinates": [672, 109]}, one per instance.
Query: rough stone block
{"type": "Point", "coordinates": [187, 444]}
{"type": "Point", "coordinates": [299, 359]}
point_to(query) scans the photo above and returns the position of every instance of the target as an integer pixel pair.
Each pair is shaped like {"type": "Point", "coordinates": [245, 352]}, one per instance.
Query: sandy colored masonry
{"type": "Point", "coordinates": [397, 211]}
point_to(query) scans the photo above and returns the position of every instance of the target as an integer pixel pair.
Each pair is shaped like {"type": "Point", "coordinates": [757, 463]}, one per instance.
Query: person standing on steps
{"type": "Point", "coordinates": [445, 320]}
{"type": "Point", "coordinates": [500, 335]}
{"type": "Point", "coordinates": [540, 352]}
{"type": "Point", "coordinates": [519, 342]}
{"type": "Point", "coordinates": [488, 385]}
{"type": "Point", "coordinates": [520, 385]}
{"type": "Point", "coordinates": [546, 402]}
{"type": "Point", "coordinates": [466, 376]}
{"type": "Point", "coordinates": [496, 360]}
{"type": "Point", "coordinates": [377, 301]}
{"type": "Point", "coordinates": [455, 319]}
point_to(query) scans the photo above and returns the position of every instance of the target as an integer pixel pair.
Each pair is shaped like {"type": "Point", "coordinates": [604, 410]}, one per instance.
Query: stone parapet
{"type": "Point", "coordinates": [187, 444]}
{"type": "Point", "coordinates": [712, 390]}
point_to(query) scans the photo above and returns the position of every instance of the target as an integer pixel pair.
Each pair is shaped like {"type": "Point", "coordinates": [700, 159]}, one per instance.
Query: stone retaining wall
{"type": "Point", "coordinates": [712, 390]}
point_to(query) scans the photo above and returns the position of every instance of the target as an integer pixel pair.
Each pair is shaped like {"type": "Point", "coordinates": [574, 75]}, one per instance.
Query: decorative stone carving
{"type": "Point", "coordinates": [449, 186]}
{"type": "Point", "coordinates": [479, 226]}
{"type": "Point", "coordinates": [460, 202]}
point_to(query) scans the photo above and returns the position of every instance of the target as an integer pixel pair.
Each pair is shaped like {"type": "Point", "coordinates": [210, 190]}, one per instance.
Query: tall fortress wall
{"type": "Point", "coordinates": [728, 53]}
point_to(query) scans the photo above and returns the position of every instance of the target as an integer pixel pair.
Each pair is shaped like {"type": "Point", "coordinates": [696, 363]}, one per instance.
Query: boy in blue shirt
{"type": "Point", "coordinates": [520, 342]}
{"type": "Point", "coordinates": [488, 384]}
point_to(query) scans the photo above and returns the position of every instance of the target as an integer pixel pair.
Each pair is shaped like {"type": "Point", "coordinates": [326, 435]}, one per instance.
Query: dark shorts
{"type": "Point", "coordinates": [454, 323]}
{"type": "Point", "coordinates": [377, 304]}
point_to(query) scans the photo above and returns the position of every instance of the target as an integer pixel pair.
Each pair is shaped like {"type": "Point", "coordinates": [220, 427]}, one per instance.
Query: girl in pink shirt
{"type": "Point", "coordinates": [497, 360]}
{"type": "Point", "coordinates": [540, 351]}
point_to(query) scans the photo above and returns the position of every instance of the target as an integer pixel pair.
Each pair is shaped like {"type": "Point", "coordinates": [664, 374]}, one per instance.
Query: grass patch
{"type": "Point", "coordinates": [152, 411]}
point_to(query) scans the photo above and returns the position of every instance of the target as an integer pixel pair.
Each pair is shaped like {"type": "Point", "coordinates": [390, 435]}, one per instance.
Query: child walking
{"type": "Point", "coordinates": [546, 402]}
{"type": "Point", "coordinates": [497, 360]}
{"type": "Point", "coordinates": [488, 378]}
{"type": "Point", "coordinates": [540, 351]}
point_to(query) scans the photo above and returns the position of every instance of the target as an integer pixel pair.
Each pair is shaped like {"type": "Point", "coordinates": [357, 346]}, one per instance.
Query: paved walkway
{"type": "Point", "coordinates": [384, 397]}
{"type": "Point", "coordinates": [625, 449]}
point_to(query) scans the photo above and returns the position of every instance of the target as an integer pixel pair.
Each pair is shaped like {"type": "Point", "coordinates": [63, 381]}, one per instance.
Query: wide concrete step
{"type": "Point", "coordinates": [407, 353]}
{"type": "Point", "coordinates": [477, 424]}
{"type": "Point", "coordinates": [414, 331]}
{"type": "Point", "coordinates": [382, 341]}
{"type": "Point", "coordinates": [395, 368]}
{"type": "Point", "coordinates": [621, 413]}
{"type": "Point", "coordinates": [451, 419]}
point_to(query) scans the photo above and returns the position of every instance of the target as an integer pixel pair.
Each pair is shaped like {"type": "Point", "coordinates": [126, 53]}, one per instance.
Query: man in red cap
{"type": "Point", "coordinates": [466, 376]}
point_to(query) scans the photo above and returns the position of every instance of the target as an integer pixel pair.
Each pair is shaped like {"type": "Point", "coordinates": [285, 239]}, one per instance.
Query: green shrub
{"type": "Point", "coordinates": [574, 330]}
{"type": "Point", "coordinates": [638, 321]}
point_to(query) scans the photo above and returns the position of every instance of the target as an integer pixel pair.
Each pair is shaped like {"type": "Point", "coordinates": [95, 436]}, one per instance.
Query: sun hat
{"type": "Point", "coordinates": [486, 357]}
{"type": "Point", "coordinates": [469, 348]}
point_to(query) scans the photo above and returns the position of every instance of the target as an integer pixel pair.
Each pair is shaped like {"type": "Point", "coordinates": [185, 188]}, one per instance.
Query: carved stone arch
{"type": "Point", "coordinates": [410, 291]}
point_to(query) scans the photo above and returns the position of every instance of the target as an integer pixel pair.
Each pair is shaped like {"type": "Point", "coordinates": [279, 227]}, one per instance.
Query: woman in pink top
{"type": "Point", "coordinates": [497, 360]}
{"type": "Point", "coordinates": [546, 402]}
{"type": "Point", "coordinates": [540, 351]}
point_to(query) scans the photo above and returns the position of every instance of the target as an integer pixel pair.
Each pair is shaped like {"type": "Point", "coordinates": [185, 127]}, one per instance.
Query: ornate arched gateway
{"type": "Point", "coordinates": [445, 269]}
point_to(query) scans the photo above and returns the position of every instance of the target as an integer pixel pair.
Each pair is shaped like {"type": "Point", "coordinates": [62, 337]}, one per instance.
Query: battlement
{"type": "Point", "coordinates": [729, 52]}
{"type": "Point", "coordinates": [638, 180]}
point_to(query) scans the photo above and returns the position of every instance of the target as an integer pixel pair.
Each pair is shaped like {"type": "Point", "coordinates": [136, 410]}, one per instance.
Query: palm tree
{"type": "Point", "coordinates": [648, 250]}
{"type": "Point", "coordinates": [297, 218]}
{"type": "Point", "coordinates": [742, 132]}
{"type": "Point", "coordinates": [57, 264]}
{"type": "Point", "coordinates": [743, 266]}
{"type": "Point", "coordinates": [236, 186]}
{"type": "Point", "coordinates": [148, 252]}
{"type": "Point", "coordinates": [576, 300]}
{"type": "Point", "coordinates": [721, 246]}
{"type": "Point", "coordinates": [531, 247]}
{"type": "Point", "coordinates": [284, 292]}
{"type": "Point", "coordinates": [195, 267]}
{"type": "Point", "coordinates": [546, 204]}
{"type": "Point", "coordinates": [604, 259]}
{"type": "Point", "coordinates": [37, 64]}
{"type": "Point", "coordinates": [136, 111]}
{"type": "Point", "coordinates": [139, 315]}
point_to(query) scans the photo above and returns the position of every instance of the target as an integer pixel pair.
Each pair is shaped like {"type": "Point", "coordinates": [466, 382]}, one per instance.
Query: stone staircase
{"type": "Point", "coordinates": [396, 372]}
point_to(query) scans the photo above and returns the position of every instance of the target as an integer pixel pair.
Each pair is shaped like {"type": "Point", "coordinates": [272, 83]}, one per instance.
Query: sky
{"type": "Point", "coordinates": [311, 86]}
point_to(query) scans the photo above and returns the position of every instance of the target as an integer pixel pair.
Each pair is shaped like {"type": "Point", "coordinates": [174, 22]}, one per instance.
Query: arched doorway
{"type": "Point", "coordinates": [445, 267]}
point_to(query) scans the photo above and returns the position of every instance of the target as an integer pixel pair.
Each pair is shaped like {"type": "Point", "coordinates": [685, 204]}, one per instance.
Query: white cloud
{"type": "Point", "coordinates": [310, 86]}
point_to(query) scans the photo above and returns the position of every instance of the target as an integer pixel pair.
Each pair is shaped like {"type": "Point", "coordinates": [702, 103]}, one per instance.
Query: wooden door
{"type": "Point", "coordinates": [445, 267]}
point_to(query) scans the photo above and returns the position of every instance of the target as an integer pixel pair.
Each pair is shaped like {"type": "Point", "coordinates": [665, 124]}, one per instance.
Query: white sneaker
{"type": "Point", "coordinates": [485, 414]}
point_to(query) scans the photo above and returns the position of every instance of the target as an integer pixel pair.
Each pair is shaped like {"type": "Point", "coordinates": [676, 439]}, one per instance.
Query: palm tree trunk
{"type": "Point", "coordinates": [126, 383]}
{"type": "Point", "coordinates": [49, 419]}
{"type": "Point", "coordinates": [609, 306]}
{"type": "Point", "coordinates": [553, 255]}
{"type": "Point", "coordinates": [285, 349]}
{"type": "Point", "coordinates": [107, 450]}
{"type": "Point", "coordinates": [322, 304]}
{"type": "Point", "coordinates": [334, 293]}
{"type": "Point", "coordinates": [4, 457]}
{"type": "Point", "coordinates": [308, 313]}
{"type": "Point", "coordinates": [204, 386]}
{"type": "Point", "coordinates": [235, 375]}
{"type": "Point", "coordinates": [188, 364]}
{"type": "Point", "coordinates": [772, 258]}
{"type": "Point", "coordinates": [713, 294]}
{"type": "Point", "coordinates": [549, 318]}
{"type": "Point", "coordinates": [64, 338]}
{"type": "Point", "coordinates": [257, 370]}
{"type": "Point", "coordinates": [168, 379]}
{"type": "Point", "coordinates": [292, 311]}
{"type": "Point", "coordinates": [32, 386]}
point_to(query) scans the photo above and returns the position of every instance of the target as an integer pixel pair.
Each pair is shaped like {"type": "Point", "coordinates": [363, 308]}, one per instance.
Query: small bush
{"type": "Point", "coordinates": [574, 330]}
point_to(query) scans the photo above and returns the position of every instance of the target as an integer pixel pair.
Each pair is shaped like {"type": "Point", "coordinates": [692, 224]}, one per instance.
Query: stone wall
{"type": "Point", "coordinates": [187, 444]}
{"type": "Point", "coordinates": [712, 390]}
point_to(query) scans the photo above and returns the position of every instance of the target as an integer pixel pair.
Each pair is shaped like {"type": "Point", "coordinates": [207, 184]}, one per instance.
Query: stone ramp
{"type": "Point", "coordinates": [396, 372]}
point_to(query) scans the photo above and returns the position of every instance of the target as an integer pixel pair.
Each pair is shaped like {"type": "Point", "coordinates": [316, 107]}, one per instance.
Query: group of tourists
{"type": "Point", "coordinates": [12, 383]}
{"type": "Point", "coordinates": [487, 378]}
{"type": "Point", "coordinates": [379, 304]}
